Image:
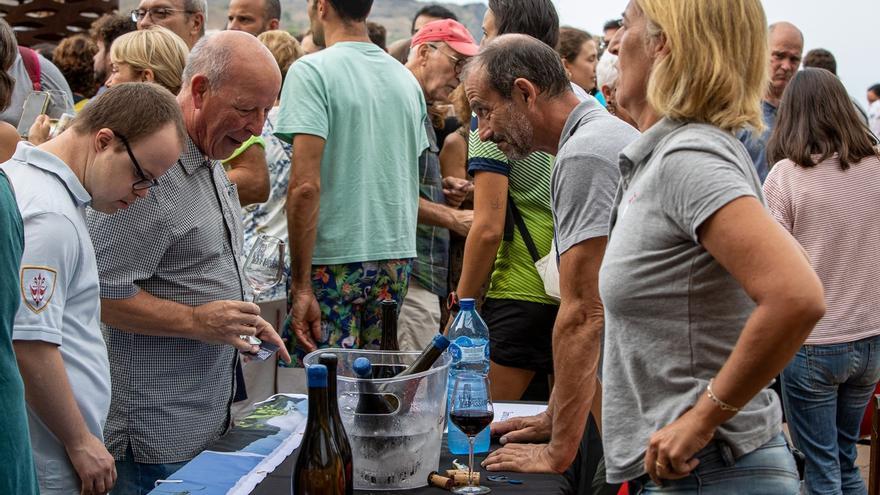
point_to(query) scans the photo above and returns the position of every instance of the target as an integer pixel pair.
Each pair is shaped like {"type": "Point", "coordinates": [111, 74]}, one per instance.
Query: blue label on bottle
{"type": "Point", "coordinates": [455, 352]}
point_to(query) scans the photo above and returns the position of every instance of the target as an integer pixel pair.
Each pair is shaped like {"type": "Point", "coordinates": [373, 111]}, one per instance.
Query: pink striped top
{"type": "Point", "coordinates": [835, 215]}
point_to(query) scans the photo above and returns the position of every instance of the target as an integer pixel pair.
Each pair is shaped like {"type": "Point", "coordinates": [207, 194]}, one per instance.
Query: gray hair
{"type": "Point", "coordinates": [606, 71]}
{"type": "Point", "coordinates": [209, 59]}
{"type": "Point", "coordinates": [198, 6]}
{"type": "Point", "coordinates": [513, 56]}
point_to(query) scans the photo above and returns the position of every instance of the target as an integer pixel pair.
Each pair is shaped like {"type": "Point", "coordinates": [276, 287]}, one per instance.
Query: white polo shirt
{"type": "Point", "coordinates": [60, 298]}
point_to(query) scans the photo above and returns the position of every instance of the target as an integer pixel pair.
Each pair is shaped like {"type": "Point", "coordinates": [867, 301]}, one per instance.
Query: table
{"type": "Point", "coordinates": [279, 481]}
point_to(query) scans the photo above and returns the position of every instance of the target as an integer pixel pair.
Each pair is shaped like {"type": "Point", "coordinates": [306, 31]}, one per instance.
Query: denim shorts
{"type": "Point", "coordinates": [770, 469]}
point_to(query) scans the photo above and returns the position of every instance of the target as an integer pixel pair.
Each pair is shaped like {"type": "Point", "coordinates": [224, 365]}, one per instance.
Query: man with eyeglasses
{"type": "Point", "coordinates": [172, 287]}
{"type": "Point", "coordinates": [186, 18]}
{"type": "Point", "coordinates": [108, 160]}
{"type": "Point", "coordinates": [439, 51]}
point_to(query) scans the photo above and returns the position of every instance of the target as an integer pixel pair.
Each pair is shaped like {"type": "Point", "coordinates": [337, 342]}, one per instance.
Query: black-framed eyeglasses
{"type": "Point", "coordinates": [144, 182]}
{"type": "Point", "coordinates": [156, 13]}
{"type": "Point", "coordinates": [459, 62]}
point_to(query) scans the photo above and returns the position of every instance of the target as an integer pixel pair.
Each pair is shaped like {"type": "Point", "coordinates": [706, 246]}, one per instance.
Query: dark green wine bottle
{"type": "Point", "coordinates": [336, 427]}
{"type": "Point", "coordinates": [389, 325]}
{"type": "Point", "coordinates": [427, 357]}
{"type": "Point", "coordinates": [319, 468]}
{"type": "Point", "coordinates": [369, 401]}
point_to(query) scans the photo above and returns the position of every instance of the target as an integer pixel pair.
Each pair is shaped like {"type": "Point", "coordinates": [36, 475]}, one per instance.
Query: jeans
{"type": "Point", "coordinates": [134, 478]}
{"type": "Point", "coordinates": [770, 470]}
{"type": "Point", "coordinates": [826, 389]}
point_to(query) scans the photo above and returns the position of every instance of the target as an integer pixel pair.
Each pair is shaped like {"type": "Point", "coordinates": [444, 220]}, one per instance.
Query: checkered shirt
{"type": "Point", "coordinates": [431, 268]}
{"type": "Point", "coordinates": [181, 243]}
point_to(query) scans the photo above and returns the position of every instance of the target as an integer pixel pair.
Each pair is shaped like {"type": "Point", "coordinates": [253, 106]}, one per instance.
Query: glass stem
{"type": "Point", "coordinates": [471, 440]}
{"type": "Point", "coordinates": [256, 296]}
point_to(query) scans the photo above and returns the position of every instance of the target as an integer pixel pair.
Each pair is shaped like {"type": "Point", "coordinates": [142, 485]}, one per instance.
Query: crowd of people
{"type": "Point", "coordinates": [669, 229]}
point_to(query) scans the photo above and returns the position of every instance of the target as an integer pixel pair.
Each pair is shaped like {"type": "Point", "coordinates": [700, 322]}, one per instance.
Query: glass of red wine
{"type": "Point", "coordinates": [471, 412]}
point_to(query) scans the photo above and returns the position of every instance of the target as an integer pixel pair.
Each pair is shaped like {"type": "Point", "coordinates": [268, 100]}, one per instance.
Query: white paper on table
{"type": "Point", "coordinates": [507, 410]}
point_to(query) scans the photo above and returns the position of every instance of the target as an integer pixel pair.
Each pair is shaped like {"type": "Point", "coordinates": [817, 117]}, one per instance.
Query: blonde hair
{"type": "Point", "coordinates": [715, 71]}
{"type": "Point", "coordinates": [283, 47]}
{"type": "Point", "coordinates": [157, 49]}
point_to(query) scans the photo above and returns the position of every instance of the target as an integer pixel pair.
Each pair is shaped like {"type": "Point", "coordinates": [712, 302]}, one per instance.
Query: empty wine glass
{"type": "Point", "coordinates": [263, 269]}
{"type": "Point", "coordinates": [471, 412]}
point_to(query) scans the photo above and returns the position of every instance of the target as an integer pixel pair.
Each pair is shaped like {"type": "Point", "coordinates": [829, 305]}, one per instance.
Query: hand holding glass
{"type": "Point", "coordinates": [471, 412]}
{"type": "Point", "coordinates": [263, 269]}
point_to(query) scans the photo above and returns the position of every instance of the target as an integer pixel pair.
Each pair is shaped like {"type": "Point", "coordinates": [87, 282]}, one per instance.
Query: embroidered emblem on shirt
{"type": "Point", "coordinates": [37, 286]}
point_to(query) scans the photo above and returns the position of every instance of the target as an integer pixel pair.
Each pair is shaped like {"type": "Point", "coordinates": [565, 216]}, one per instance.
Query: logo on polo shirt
{"type": "Point", "coordinates": [37, 286]}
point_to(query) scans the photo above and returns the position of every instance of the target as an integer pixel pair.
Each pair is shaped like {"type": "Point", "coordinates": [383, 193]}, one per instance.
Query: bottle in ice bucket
{"type": "Point", "coordinates": [427, 357]}
{"type": "Point", "coordinates": [388, 310]}
{"type": "Point", "coordinates": [369, 401]}
{"type": "Point", "coordinates": [469, 348]}
{"type": "Point", "coordinates": [336, 426]}
{"type": "Point", "coordinates": [389, 325]}
{"type": "Point", "coordinates": [320, 469]}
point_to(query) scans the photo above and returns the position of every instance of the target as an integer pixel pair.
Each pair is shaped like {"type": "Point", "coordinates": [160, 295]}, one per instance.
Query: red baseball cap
{"type": "Point", "coordinates": [451, 32]}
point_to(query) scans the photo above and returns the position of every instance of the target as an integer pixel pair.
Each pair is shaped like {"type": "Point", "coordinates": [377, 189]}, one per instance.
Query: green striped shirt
{"type": "Point", "coordinates": [515, 276]}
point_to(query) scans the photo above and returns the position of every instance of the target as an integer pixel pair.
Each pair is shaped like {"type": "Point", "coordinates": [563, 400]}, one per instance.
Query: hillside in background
{"type": "Point", "coordinates": [395, 15]}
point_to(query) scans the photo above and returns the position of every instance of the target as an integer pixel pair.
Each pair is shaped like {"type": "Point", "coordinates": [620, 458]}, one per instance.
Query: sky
{"type": "Point", "coordinates": [847, 28]}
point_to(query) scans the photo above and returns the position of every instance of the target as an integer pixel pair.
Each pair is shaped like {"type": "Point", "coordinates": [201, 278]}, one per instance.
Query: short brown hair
{"type": "Point", "coordinates": [570, 42]}
{"type": "Point", "coordinates": [73, 57]}
{"type": "Point", "coordinates": [817, 117]}
{"type": "Point", "coordinates": [377, 34]}
{"type": "Point", "coordinates": [108, 27]}
{"type": "Point", "coordinates": [135, 110]}
{"type": "Point", "coordinates": [821, 59]}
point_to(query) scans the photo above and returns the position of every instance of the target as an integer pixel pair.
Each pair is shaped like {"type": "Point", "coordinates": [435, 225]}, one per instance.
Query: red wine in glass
{"type": "Point", "coordinates": [471, 421]}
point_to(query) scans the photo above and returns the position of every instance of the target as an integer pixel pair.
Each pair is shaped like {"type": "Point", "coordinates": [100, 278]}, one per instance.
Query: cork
{"type": "Point", "coordinates": [435, 479]}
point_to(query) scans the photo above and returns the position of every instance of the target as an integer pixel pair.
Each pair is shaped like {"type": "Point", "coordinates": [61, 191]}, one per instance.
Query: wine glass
{"type": "Point", "coordinates": [263, 269]}
{"type": "Point", "coordinates": [471, 412]}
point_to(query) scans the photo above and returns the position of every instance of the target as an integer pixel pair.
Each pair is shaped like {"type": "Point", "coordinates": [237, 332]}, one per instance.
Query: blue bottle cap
{"type": "Point", "coordinates": [362, 367]}
{"type": "Point", "coordinates": [467, 303]}
{"type": "Point", "coordinates": [316, 375]}
{"type": "Point", "coordinates": [440, 342]}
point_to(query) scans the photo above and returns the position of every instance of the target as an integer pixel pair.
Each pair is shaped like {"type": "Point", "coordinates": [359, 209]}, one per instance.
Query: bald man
{"type": "Point", "coordinates": [172, 289]}
{"type": "Point", "coordinates": [786, 51]}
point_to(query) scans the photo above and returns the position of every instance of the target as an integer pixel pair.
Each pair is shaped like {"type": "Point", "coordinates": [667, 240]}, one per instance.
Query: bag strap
{"type": "Point", "coordinates": [32, 65]}
{"type": "Point", "coordinates": [515, 218]}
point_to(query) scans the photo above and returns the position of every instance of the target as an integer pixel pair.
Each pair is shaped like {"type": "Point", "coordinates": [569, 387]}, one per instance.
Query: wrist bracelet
{"type": "Point", "coordinates": [720, 403]}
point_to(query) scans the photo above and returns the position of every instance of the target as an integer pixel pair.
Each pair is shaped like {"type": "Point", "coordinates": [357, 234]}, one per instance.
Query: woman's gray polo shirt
{"type": "Point", "coordinates": [673, 314]}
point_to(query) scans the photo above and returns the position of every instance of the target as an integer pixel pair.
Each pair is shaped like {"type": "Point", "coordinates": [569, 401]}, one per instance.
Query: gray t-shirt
{"type": "Point", "coordinates": [673, 314]}
{"type": "Point", "coordinates": [585, 173]}
{"type": "Point", "coordinates": [51, 79]}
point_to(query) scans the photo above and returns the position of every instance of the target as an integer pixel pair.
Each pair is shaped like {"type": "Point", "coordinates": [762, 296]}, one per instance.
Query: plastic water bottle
{"type": "Point", "coordinates": [469, 347]}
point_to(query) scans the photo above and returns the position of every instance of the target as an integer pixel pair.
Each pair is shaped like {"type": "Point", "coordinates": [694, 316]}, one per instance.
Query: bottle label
{"type": "Point", "coordinates": [463, 350]}
{"type": "Point", "coordinates": [473, 354]}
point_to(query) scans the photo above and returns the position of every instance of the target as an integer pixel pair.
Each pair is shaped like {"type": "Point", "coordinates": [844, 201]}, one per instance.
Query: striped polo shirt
{"type": "Point", "coordinates": [833, 214]}
{"type": "Point", "coordinates": [514, 276]}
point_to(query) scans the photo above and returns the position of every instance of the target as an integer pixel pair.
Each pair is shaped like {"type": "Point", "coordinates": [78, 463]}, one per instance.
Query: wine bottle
{"type": "Point", "coordinates": [422, 363]}
{"type": "Point", "coordinates": [319, 468]}
{"type": "Point", "coordinates": [336, 427]}
{"type": "Point", "coordinates": [370, 402]}
{"type": "Point", "coordinates": [389, 325]}
{"type": "Point", "coordinates": [427, 357]}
